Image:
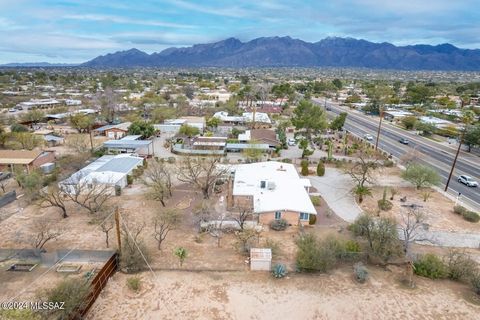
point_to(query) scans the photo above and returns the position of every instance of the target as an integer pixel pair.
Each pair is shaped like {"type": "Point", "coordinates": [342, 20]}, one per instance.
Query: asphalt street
{"type": "Point", "coordinates": [431, 153]}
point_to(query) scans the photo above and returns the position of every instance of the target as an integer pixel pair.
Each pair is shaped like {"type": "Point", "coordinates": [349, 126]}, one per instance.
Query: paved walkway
{"type": "Point", "coordinates": [446, 239]}
{"type": "Point", "coordinates": [336, 189]}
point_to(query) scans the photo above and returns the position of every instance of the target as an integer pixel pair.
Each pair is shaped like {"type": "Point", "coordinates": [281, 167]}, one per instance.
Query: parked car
{"type": "Point", "coordinates": [468, 181]}
{"type": "Point", "coordinates": [12, 110]}
{"type": "Point", "coordinates": [404, 141]}
{"type": "Point", "coordinates": [291, 142]}
{"type": "Point", "coordinates": [368, 137]}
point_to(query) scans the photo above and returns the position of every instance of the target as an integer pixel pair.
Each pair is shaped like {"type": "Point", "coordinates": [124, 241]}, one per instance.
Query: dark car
{"type": "Point", "coordinates": [404, 141]}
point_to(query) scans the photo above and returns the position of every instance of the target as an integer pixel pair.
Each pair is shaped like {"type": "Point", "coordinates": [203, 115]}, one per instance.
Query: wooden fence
{"type": "Point", "coordinates": [96, 286]}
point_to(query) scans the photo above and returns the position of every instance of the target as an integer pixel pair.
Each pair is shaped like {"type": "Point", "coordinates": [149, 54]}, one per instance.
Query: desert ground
{"type": "Point", "coordinates": [250, 295]}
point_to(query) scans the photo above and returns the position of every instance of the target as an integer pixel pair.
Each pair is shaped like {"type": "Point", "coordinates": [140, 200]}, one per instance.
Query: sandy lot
{"type": "Point", "coordinates": [237, 295]}
{"type": "Point", "coordinates": [438, 209]}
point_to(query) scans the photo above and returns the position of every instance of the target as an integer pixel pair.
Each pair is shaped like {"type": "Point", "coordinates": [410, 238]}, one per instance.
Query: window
{"type": "Point", "coordinates": [278, 215]}
{"type": "Point", "coordinates": [303, 216]}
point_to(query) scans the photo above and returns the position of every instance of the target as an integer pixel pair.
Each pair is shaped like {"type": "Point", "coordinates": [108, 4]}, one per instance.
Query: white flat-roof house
{"type": "Point", "coordinates": [107, 170]}
{"type": "Point", "coordinates": [273, 190]}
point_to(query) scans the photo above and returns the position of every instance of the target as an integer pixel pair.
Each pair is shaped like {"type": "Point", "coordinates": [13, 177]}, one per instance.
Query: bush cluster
{"type": "Point", "coordinates": [384, 205]}
{"type": "Point", "coordinates": [456, 266]}
{"type": "Point", "coordinates": [315, 200]}
{"type": "Point", "coordinates": [320, 169]}
{"type": "Point", "coordinates": [431, 266]}
{"type": "Point", "coordinates": [134, 283]}
{"type": "Point", "coordinates": [279, 225]}
{"type": "Point", "coordinates": [471, 216]}
{"type": "Point", "coordinates": [322, 255]}
{"type": "Point", "coordinates": [360, 272]}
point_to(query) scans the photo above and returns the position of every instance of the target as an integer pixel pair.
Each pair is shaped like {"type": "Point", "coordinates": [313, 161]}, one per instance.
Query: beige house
{"type": "Point", "coordinates": [29, 159]}
{"type": "Point", "coordinates": [272, 190]}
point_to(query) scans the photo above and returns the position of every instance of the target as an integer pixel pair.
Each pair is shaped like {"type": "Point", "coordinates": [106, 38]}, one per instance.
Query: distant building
{"type": "Point", "coordinates": [107, 170]}
{"type": "Point", "coordinates": [437, 122]}
{"type": "Point", "coordinates": [396, 114]}
{"type": "Point", "coordinates": [130, 144]}
{"type": "Point", "coordinates": [173, 125]}
{"type": "Point", "coordinates": [39, 104]}
{"type": "Point", "coordinates": [264, 136]}
{"type": "Point", "coordinates": [28, 159]}
{"type": "Point", "coordinates": [113, 131]}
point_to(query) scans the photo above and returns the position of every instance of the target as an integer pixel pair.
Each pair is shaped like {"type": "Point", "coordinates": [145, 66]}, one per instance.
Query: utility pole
{"type": "Point", "coordinates": [117, 226]}
{"type": "Point", "coordinates": [379, 127]}
{"type": "Point", "coordinates": [455, 160]}
{"type": "Point", "coordinates": [91, 138]}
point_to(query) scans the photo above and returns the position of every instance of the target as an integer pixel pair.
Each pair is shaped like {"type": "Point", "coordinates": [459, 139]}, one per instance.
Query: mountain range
{"type": "Point", "coordinates": [288, 52]}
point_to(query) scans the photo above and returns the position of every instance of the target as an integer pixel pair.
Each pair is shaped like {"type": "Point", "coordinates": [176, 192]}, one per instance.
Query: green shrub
{"type": "Point", "coordinates": [315, 200]}
{"type": "Point", "coordinates": [460, 266]}
{"type": "Point", "coordinates": [279, 225]}
{"type": "Point", "coordinates": [274, 246]}
{"type": "Point", "coordinates": [352, 246]}
{"type": "Point", "coordinates": [384, 205]}
{"type": "Point", "coordinates": [320, 169]}
{"type": "Point", "coordinates": [314, 256]}
{"type": "Point", "coordinates": [286, 160]}
{"type": "Point", "coordinates": [360, 272]}
{"type": "Point", "coordinates": [431, 266]}
{"type": "Point", "coordinates": [70, 292]}
{"type": "Point", "coordinates": [388, 163]}
{"type": "Point", "coordinates": [129, 180]}
{"type": "Point", "coordinates": [134, 283]}
{"type": "Point", "coordinates": [459, 209]}
{"type": "Point", "coordinates": [471, 216]}
{"type": "Point", "coordinates": [312, 219]}
{"type": "Point", "coordinates": [304, 170]}
{"type": "Point", "coordinates": [476, 283]}
{"type": "Point", "coordinates": [279, 270]}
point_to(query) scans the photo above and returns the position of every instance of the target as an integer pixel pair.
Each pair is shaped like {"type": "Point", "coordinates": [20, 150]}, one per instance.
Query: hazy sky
{"type": "Point", "coordinates": [78, 30]}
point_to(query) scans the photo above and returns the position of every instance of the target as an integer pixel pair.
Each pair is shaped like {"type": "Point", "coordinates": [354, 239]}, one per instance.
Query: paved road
{"type": "Point", "coordinates": [435, 154]}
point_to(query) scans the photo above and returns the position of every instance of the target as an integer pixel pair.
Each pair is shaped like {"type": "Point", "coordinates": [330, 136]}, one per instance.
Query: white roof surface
{"type": "Point", "coordinates": [284, 189]}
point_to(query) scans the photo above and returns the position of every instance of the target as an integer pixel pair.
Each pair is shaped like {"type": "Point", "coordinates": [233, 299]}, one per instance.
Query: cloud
{"type": "Point", "coordinates": [233, 11]}
{"type": "Point", "coordinates": [124, 20]}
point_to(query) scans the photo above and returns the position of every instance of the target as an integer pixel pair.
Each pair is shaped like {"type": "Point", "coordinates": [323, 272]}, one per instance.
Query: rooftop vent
{"type": "Point", "coordinates": [271, 185]}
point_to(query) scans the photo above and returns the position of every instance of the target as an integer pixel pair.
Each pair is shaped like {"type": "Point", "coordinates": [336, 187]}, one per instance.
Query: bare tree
{"type": "Point", "coordinates": [412, 219]}
{"type": "Point", "coordinates": [164, 222]}
{"type": "Point", "coordinates": [53, 196]}
{"type": "Point", "coordinates": [158, 179]}
{"type": "Point", "coordinates": [202, 173]}
{"type": "Point", "coordinates": [244, 239]}
{"type": "Point", "coordinates": [108, 101]}
{"type": "Point", "coordinates": [243, 215]}
{"type": "Point", "coordinates": [90, 195]}
{"type": "Point", "coordinates": [134, 254]}
{"type": "Point", "coordinates": [412, 156]}
{"type": "Point", "coordinates": [215, 227]}
{"type": "Point", "coordinates": [202, 213]}
{"type": "Point", "coordinates": [361, 170]}
{"type": "Point", "coordinates": [79, 143]}
{"type": "Point", "coordinates": [106, 222]}
{"type": "Point", "coordinates": [44, 230]}
{"type": "Point", "coordinates": [3, 185]}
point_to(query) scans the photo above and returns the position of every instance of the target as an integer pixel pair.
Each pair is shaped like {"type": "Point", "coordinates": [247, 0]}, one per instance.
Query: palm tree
{"type": "Point", "coordinates": [362, 191]}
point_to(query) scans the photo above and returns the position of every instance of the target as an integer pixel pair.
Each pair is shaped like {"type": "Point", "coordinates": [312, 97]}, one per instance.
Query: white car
{"type": "Point", "coordinates": [291, 142]}
{"type": "Point", "coordinates": [468, 181]}
{"type": "Point", "coordinates": [368, 137]}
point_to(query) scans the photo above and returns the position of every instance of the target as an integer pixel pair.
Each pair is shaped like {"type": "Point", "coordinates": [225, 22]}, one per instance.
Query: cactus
{"type": "Point", "coordinates": [279, 270]}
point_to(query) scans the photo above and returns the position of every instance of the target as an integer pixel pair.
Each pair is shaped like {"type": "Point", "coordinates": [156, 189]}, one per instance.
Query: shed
{"type": "Point", "coordinates": [260, 259]}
